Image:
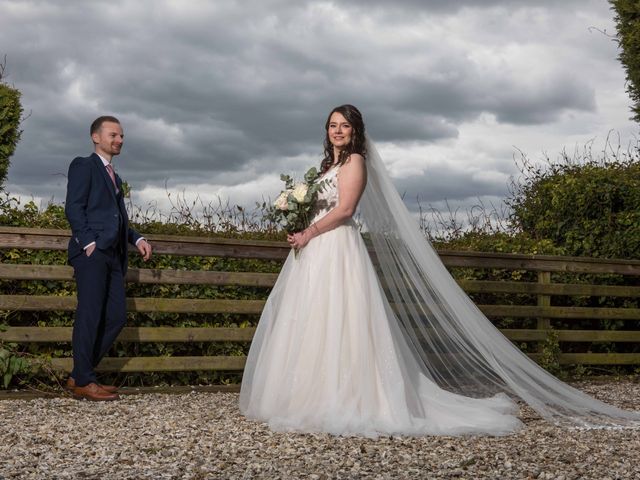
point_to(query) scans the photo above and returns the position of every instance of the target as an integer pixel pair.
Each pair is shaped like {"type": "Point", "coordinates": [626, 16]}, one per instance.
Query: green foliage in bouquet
{"type": "Point", "coordinates": [296, 203]}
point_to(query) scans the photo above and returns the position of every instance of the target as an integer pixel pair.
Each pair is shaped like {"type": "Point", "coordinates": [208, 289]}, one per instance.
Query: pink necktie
{"type": "Point", "coordinates": [112, 175]}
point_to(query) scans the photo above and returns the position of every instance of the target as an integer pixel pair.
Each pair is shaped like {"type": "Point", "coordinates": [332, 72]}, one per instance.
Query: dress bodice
{"type": "Point", "coordinates": [327, 198]}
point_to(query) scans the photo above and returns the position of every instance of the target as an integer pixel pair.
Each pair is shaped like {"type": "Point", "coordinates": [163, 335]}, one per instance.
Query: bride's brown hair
{"type": "Point", "coordinates": [357, 143]}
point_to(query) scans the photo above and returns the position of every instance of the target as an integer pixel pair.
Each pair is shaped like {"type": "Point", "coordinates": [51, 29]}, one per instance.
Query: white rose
{"type": "Point", "coordinates": [300, 191]}
{"type": "Point", "coordinates": [281, 202]}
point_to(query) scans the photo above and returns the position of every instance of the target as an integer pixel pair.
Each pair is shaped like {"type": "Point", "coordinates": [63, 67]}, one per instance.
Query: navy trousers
{"type": "Point", "coordinates": [101, 312]}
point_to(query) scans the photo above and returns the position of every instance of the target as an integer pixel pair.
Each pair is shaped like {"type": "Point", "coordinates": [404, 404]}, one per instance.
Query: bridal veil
{"type": "Point", "coordinates": [453, 343]}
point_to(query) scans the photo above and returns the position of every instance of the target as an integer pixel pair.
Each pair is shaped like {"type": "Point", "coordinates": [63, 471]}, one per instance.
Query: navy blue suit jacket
{"type": "Point", "coordinates": [94, 210]}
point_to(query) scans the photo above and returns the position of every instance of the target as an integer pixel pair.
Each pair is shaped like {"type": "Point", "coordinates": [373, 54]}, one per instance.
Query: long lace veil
{"type": "Point", "coordinates": [454, 344]}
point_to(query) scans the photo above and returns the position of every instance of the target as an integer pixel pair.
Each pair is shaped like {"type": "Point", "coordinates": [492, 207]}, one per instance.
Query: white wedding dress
{"type": "Point", "coordinates": [325, 357]}
{"type": "Point", "coordinates": [330, 354]}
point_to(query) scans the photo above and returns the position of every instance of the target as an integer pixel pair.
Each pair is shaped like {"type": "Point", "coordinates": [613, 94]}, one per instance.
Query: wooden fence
{"type": "Point", "coordinates": [544, 289]}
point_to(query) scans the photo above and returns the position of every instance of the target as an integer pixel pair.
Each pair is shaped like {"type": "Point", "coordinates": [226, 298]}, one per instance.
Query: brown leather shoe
{"type": "Point", "coordinates": [71, 384]}
{"type": "Point", "coordinates": [93, 393]}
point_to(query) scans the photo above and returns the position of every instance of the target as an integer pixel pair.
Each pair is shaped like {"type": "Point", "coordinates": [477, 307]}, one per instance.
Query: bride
{"type": "Point", "coordinates": [377, 338]}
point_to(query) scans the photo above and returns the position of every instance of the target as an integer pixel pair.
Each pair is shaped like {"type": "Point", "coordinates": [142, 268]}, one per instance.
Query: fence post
{"type": "Point", "coordinates": [544, 278]}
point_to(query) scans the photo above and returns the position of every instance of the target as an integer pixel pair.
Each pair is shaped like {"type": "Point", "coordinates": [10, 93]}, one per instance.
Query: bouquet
{"type": "Point", "coordinates": [295, 205]}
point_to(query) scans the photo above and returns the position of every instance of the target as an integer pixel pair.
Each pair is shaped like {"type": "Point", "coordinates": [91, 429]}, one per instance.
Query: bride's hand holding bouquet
{"type": "Point", "coordinates": [294, 207]}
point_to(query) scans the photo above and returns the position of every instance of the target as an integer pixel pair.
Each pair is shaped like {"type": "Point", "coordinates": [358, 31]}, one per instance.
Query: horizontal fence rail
{"type": "Point", "coordinates": [159, 364]}
{"type": "Point", "coordinates": [541, 293]}
{"type": "Point", "coordinates": [234, 334]}
{"type": "Point", "coordinates": [134, 275]}
{"type": "Point", "coordinates": [251, 279]}
{"type": "Point", "coordinates": [181, 305]}
{"type": "Point", "coordinates": [48, 239]}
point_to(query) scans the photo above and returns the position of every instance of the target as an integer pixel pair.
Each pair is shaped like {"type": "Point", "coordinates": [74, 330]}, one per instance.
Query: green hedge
{"type": "Point", "coordinates": [588, 209]}
{"type": "Point", "coordinates": [627, 17]}
{"type": "Point", "coordinates": [10, 116]}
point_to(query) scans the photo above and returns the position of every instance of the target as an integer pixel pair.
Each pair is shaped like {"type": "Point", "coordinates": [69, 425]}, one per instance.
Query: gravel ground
{"type": "Point", "coordinates": [202, 435]}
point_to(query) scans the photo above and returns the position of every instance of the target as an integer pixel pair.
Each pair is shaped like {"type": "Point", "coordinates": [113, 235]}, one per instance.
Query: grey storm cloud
{"type": "Point", "coordinates": [209, 90]}
{"type": "Point", "coordinates": [438, 184]}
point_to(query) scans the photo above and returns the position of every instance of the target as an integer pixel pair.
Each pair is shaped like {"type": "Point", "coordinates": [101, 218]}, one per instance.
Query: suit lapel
{"type": "Point", "coordinates": [118, 182]}
{"type": "Point", "coordinates": [105, 175]}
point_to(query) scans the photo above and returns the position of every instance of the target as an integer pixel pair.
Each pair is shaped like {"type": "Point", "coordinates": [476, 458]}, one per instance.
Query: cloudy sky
{"type": "Point", "coordinates": [218, 97]}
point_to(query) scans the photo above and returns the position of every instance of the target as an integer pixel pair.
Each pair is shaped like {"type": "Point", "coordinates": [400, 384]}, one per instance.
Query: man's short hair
{"type": "Point", "coordinates": [97, 123]}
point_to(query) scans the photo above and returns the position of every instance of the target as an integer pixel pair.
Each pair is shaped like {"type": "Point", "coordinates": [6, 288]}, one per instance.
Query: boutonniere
{"type": "Point", "coordinates": [125, 188]}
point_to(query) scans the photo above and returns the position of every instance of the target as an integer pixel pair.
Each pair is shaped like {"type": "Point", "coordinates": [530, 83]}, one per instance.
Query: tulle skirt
{"type": "Point", "coordinates": [328, 356]}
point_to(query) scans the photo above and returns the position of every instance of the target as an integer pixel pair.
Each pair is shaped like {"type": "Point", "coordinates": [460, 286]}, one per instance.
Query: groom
{"type": "Point", "coordinates": [98, 253]}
